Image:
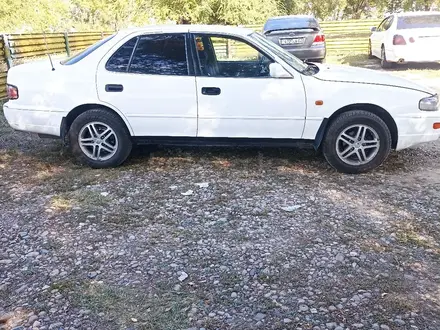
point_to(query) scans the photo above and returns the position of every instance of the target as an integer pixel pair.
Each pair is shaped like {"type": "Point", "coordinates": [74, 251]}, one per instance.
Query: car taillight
{"type": "Point", "coordinates": [12, 92]}
{"type": "Point", "coordinates": [319, 38]}
{"type": "Point", "coordinates": [399, 40]}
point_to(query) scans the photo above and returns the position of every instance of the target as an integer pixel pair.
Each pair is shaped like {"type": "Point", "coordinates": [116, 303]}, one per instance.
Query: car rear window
{"type": "Point", "coordinates": [418, 22]}
{"type": "Point", "coordinates": [78, 57]}
{"type": "Point", "coordinates": [291, 23]}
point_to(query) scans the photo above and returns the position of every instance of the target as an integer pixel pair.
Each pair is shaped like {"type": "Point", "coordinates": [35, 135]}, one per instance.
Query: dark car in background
{"type": "Point", "coordinates": [300, 35]}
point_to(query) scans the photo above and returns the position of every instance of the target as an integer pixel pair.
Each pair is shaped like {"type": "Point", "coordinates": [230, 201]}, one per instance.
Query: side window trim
{"type": "Point", "coordinates": [380, 27]}
{"type": "Point", "coordinates": [132, 54]}
{"type": "Point", "coordinates": [391, 20]}
{"type": "Point", "coordinates": [122, 44]}
{"type": "Point", "coordinates": [190, 67]}
{"type": "Point", "coordinates": [192, 53]}
{"type": "Point", "coordinates": [197, 63]}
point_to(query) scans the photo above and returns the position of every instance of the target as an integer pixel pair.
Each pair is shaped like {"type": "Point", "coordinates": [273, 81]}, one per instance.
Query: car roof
{"type": "Point", "coordinates": [184, 28]}
{"type": "Point", "coordinates": [417, 13]}
{"type": "Point", "coordinates": [291, 16]}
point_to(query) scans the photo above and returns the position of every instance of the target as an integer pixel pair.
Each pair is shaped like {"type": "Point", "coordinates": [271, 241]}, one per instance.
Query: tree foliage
{"type": "Point", "coordinates": [82, 15]}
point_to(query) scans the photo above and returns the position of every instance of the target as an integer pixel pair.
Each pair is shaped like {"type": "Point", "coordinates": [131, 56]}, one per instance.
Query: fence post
{"type": "Point", "coordinates": [66, 41]}
{"type": "Point", "coordinates": [228, 48]}
{"type": "Point", "coordinates": [7, 50]}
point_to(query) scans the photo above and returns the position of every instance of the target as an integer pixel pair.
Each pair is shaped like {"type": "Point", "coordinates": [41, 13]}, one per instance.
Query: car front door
{"type": "Point", "coordinates": [237, 97]}
{"type": "Point", "coordinates": [149, 79]}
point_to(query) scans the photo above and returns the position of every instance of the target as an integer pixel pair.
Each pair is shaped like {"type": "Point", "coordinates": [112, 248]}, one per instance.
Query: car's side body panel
{"type": "Point", "coordinates": [254, 108]}
{"type": "Point", "coordinates": [172, 106]}
{"type": "Point", "coordinates": [155, 105]}
{"type": "Point", "coordinates": [413, 126]}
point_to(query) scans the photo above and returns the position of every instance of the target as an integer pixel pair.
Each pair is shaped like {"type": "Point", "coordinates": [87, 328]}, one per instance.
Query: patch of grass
{"type": "Point", "coordinates": [398, 303]}
{"type": "Point", "coordinates": [412, 235]}
{"type": "Point", "coordinates": [64, 286]}
{"type": "Point", "coordinates": [59, 203]}
{"type": "Point", "coordinates": [162, 310]}
{"type": "Point", "coordinates": [87, 198]}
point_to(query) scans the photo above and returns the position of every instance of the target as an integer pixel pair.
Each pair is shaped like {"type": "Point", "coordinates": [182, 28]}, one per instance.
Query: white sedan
{"type": "Point", "coordinates": [407, 37]}
{"type": "Point", "coordinates": [216, 85]}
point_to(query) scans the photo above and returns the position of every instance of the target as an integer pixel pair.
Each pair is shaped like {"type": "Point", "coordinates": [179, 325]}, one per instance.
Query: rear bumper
{"type": "Point", "coordinates": [410, 54]}
{"type": "Point", "coordinates": [309, 53]}
{"type": "Point", "coordinates": [35, 121]}
{"type": "Point", "coordinates": [416, 130]}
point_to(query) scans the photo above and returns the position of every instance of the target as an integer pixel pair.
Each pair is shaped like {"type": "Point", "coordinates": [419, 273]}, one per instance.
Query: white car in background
{"type": "Point", "coordinates": [406, 37]}
{"type": "Point", "coordinates": [181, 85]}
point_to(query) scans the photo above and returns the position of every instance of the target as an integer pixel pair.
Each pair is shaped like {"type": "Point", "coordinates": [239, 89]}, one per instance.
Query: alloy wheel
{"type": "Point", "coordinates": [98, 141]}
{"type": "Point", "coordinates": [357, 145]}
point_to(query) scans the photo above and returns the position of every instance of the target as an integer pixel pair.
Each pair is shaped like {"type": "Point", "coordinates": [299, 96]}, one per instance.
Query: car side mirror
{"type": "Point", "coordinates": [277, 71]}
{"type": "Point", "coordinates": [373, 29]}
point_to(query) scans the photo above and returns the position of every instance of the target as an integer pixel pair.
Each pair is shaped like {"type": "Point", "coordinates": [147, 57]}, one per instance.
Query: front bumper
{"type": "Point", "coordinates": [416, 129]}
{"type": "Point", "coordinates": [32, 120]}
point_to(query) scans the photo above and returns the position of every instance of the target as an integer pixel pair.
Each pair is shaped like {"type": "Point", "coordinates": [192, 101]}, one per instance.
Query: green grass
{"type": "Point", "coordinates": [132, 308]}
{"type": "Point", "coordinates": [426, 70]}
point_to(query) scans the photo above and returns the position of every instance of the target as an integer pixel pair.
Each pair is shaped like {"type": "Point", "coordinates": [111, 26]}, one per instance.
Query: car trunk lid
{"type": "Point", "coordinates": [293, 38]}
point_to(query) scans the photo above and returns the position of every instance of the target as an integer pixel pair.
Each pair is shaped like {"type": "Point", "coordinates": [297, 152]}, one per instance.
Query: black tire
{"type": "Point", "coordinates": [345, 121]}
{"type": "Point", "coordinates": [121, 135]}
{"type": "Point", "coordinates": [383, 60]}
{"type": "Point", "coordinates": [370, 51]}
{"type": "Point", "coordinates": [321, 60]}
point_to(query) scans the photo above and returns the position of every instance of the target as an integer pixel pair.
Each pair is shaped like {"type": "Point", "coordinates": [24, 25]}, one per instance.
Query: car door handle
{"type": "Point", "coordinates": [114, 88]}
{"type": "Point", "coordinates": [211, 91]}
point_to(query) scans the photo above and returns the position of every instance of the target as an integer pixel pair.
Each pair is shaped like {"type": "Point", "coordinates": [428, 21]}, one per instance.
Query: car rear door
{"type": "Point", "coordinates": [150, 80]}
{"type": "Point", "coordinates": [237, 98]}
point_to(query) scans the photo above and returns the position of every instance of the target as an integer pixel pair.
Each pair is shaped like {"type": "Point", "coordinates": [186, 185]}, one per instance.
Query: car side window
{"type": "Point", "coordinates": [224, 56]}
{"type": "Point", "coordinates": [389, 23]}
{"type": "Point", "coordinates": [380, 27]}
{"type": "Point", "coordinates": [120, 59]}
{"type": "Point", "coordinates": [161, 54]}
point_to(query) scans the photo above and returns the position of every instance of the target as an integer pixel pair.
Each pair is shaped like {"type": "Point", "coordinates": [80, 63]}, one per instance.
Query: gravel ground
{"type": "Point", "coordinates": [216, 239]}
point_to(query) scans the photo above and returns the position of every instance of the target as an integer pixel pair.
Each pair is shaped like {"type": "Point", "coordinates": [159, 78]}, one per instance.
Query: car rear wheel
{"type": "Point", "coordinates": [100, 139]}
{"type": "Point", "coordinates": [357, 141]}
{"type": "Point", "coordinates": [383, 59]}
{"type": "Point", "coordinates": [370, 50]}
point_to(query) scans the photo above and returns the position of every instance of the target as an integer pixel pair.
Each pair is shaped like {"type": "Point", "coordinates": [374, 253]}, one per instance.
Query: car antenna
{"type": "Point", "coordinates": [51, 63]}
{"type": "Point", "coordinates": [50, 58]}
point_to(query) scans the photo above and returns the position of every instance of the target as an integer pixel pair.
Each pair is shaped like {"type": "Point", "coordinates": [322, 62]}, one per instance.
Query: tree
{"type": "Point", "coordinates": [33, 16]}
{"type": "Point", "coordinates": [217, 11]}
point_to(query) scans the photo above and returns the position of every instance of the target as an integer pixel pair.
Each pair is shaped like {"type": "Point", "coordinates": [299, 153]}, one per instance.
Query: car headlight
{"type": "Point", "coordinates": [429, 103]}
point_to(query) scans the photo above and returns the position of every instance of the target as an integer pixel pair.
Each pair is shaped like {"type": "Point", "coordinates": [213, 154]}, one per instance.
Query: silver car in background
{"type": "Point", "coordinates": [300, 35]}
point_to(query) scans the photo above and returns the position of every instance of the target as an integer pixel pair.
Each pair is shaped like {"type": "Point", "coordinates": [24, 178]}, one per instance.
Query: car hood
{"type": "Point", "coordinates": [342, 73]}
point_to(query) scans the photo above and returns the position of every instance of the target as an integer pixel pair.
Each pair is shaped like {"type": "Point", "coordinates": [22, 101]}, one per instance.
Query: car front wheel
{"type": "Point", "coordinates": [100, 139]}
{"type": "Point", "coordinates": [357, 141]}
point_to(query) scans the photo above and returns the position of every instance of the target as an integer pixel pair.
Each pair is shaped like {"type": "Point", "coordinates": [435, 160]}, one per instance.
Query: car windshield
{"type": "Point", "coordinates": [78, 57]}
{"type": "Point", "coordinates": [285, 23]}
{"type": "Point", "coordinates": [290, 59]}
{"type": "Point", "coordinates": [418, 22]}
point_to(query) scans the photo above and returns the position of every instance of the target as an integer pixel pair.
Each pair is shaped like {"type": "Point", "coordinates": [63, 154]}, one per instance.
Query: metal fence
{"type": "Point", "coordinates": [342, 37]}
{"type": "Point", "coordinates": [19, 48]}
